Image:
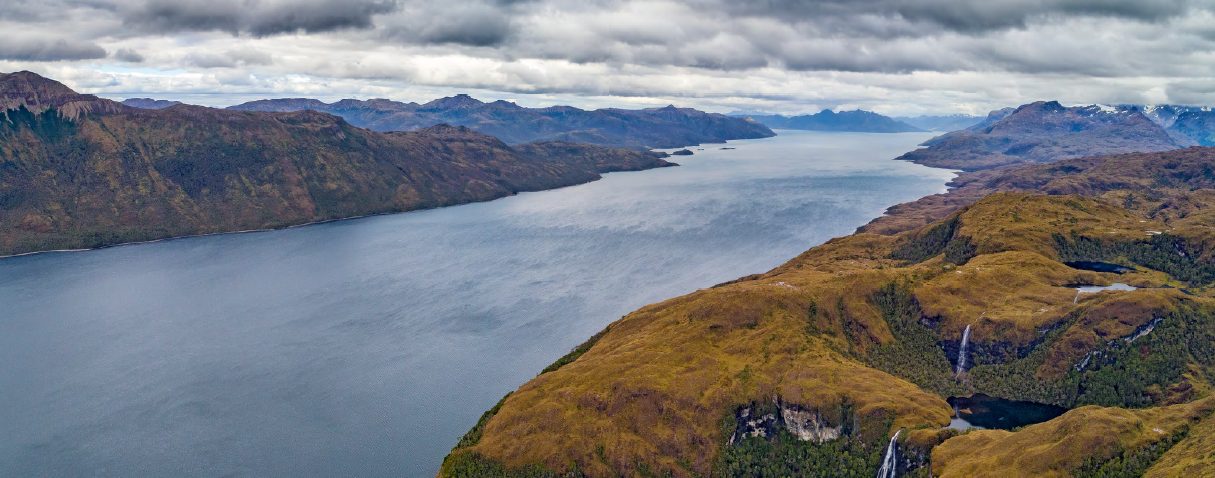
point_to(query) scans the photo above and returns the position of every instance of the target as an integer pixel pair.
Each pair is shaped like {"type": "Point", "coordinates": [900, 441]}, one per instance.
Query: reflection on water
{"type": "Point", "coordinates": [367, 347]}
{"type": "Point", "coordinates": [1100, 267]}
{"type": "Point", "coordinates": [1093, 289]}
{"type": "Point", "coordinates": [982, 411]}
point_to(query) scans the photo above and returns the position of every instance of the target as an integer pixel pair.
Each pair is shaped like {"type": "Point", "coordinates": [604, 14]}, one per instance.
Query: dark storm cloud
{"type": "Point", "coordinates": [31, 49]}
{"type": "Point", "coordinates": [471, 23]}
{"type": "Point", "coordinates": [255, 17]}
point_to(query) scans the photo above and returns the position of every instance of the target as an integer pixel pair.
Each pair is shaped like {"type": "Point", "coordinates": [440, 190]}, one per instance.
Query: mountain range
{"type": "Point", "coordinates": [667, 127]}
{"type": "Point", "coordinates": [77, 171]}
{"type": "Point", "coordinates": [1047, 131]}
{"type": "Point", "coordinates": [843, 121]}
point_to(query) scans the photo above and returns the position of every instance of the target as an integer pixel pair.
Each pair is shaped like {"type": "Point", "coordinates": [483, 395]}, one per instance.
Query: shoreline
{"type": "Point", "coordinates": [322, 221]}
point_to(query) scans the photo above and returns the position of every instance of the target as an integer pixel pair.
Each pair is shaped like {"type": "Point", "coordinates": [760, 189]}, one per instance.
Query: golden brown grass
{"type": "Point", "coordinates": [1057, 447]}
{"type": "Point", "coordinates": [655, 388]}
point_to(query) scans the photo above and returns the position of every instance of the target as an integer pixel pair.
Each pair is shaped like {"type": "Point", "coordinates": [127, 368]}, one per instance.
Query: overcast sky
{"type": "Point", "coordinates": [892, 56]}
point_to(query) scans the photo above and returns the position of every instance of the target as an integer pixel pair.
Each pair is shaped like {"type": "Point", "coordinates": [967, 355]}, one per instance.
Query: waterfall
{"type": "Point", "coordinates": [890, 462]}
{"type": "Point", "coordinates": [962, 352]}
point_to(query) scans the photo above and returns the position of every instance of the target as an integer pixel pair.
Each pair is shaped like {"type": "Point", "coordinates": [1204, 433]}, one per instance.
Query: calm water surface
{"type": "Point", "coordinates": [367, 347]}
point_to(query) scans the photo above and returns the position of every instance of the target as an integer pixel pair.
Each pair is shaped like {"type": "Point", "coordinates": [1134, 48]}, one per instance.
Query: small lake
{"type": "Point", "coordinates": [1093, 289]}
{"type": "Point", "coordinates": [1100, 267]}
{"type": "Point", "coordinates": [982, 411]}
{"type": "Point", "coordinates": [368, 347]}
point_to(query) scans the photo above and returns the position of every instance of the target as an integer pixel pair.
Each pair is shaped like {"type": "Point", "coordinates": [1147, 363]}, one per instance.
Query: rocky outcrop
{"type": "Point", "coordinates": [768, 420]}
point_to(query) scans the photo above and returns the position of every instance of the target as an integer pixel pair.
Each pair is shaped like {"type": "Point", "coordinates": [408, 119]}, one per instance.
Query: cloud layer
{"type": "Point", "coordinates": [895, 56]}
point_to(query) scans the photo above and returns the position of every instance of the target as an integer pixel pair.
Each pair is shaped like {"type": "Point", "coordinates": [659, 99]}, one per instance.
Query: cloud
{"type": "Point", "coordinates": [898, 56]}
{"type": "Point", "coordinates": [128, 55]}
{"type": "Point", "coordinates": [255, 17]}
{"type": "Point", "coordinates": [32, 49]}
{"type": "Point", "coordinates": [228, 59]}
{"type": "Point", "coordinates": [950, 15]}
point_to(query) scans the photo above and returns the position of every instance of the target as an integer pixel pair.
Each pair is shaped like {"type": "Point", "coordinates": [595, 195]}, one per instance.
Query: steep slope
{"type": "Point", "coordinates": [827, 120]}
{"type": "Point", "coordinates": [78, 171]}
{"type": "Point", "coordinates": [811, 368]}
{"type": "Point", "coordinates": [1196, 125]}
{"type": "Point", "coordinates": [1043, 132]}
{"type": "Point", "coordinates": [668, 127]}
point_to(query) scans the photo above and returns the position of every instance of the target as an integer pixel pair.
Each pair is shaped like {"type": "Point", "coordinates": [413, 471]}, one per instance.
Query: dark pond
{"type": "Point", "coordinates": [1099, 266]}
{"type": "Point", "coordinates": [982, 411]}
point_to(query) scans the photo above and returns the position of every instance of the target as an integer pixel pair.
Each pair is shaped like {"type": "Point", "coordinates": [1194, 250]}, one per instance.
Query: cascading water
{"type": "Point", "coordinates": [890, 462]}
{"type": "Point", "coordinates": [962, 352]}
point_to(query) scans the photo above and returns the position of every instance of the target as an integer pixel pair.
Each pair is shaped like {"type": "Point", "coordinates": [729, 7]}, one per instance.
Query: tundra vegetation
{"type": "Point", "coordinates": [864, 331]}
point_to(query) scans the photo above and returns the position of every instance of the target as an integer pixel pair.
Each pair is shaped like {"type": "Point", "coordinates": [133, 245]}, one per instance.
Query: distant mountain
{"type": "Point", "coordinates": [667, 127]}
{"type": "Point", "coordinates": [1046, 131]}
{"type": "Point", "coordinates": [827, 120]}
{"type": "Point", "coordinates": [80, 171]}
{"type": "Point", "coordinates": [1184, 123]}
{"type": "Point", "coordinates": [941, 122]}
{"type": "Point", "coordinates": [149, 103]}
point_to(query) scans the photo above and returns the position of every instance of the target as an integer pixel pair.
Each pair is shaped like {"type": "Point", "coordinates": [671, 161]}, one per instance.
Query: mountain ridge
{"type": "Point", "coordinates": [844, 121]}
{"type": "Point", "coordinates": [667, 127]}
{"type": "Point", "coordinates": [1046, 131]}
{"type": "Point", "coordinates": [82, 172]}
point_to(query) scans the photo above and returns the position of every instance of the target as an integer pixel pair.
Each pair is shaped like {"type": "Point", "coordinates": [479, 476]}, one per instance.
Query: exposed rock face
{"type": "Point", "coordinates": [35, 93]}
{"type": "Point", "coordinates": [763, 421]}
{"type": "Point", "coordinates": [667, 127]}
{"type": "Point", "coordinates": [78, 171]}
{"type": "Point", "coordinates": [807, 425]}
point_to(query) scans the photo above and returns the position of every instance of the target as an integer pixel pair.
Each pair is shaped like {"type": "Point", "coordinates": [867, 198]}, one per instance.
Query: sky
{"type": "Point", "coordinates": [897, 57]}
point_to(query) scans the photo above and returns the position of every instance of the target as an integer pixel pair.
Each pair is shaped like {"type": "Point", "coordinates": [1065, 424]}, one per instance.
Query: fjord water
{"type": "Point", "coordinates": [368, 347]}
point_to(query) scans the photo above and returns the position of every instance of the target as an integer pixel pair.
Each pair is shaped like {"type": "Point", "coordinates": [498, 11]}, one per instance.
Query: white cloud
{"type": "Point", "coordinates": [894, 56]}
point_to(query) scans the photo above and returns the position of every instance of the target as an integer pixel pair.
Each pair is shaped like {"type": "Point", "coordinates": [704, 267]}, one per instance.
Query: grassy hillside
{"type": "Point", "coordinates": [857, 338]}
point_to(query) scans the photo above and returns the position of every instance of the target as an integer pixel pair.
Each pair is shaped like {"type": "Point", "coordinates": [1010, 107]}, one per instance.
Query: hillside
{"type": "Point", "coordinates": [667, 127]}
{"type": "Point", "coordinates": [1046, 131]}
{"type": "Point", "coordinates": [811, 368]}
{"type": "Point", "coordinates": [77, 171]}
{"type": "Point", "coordinates": [843, 121]}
